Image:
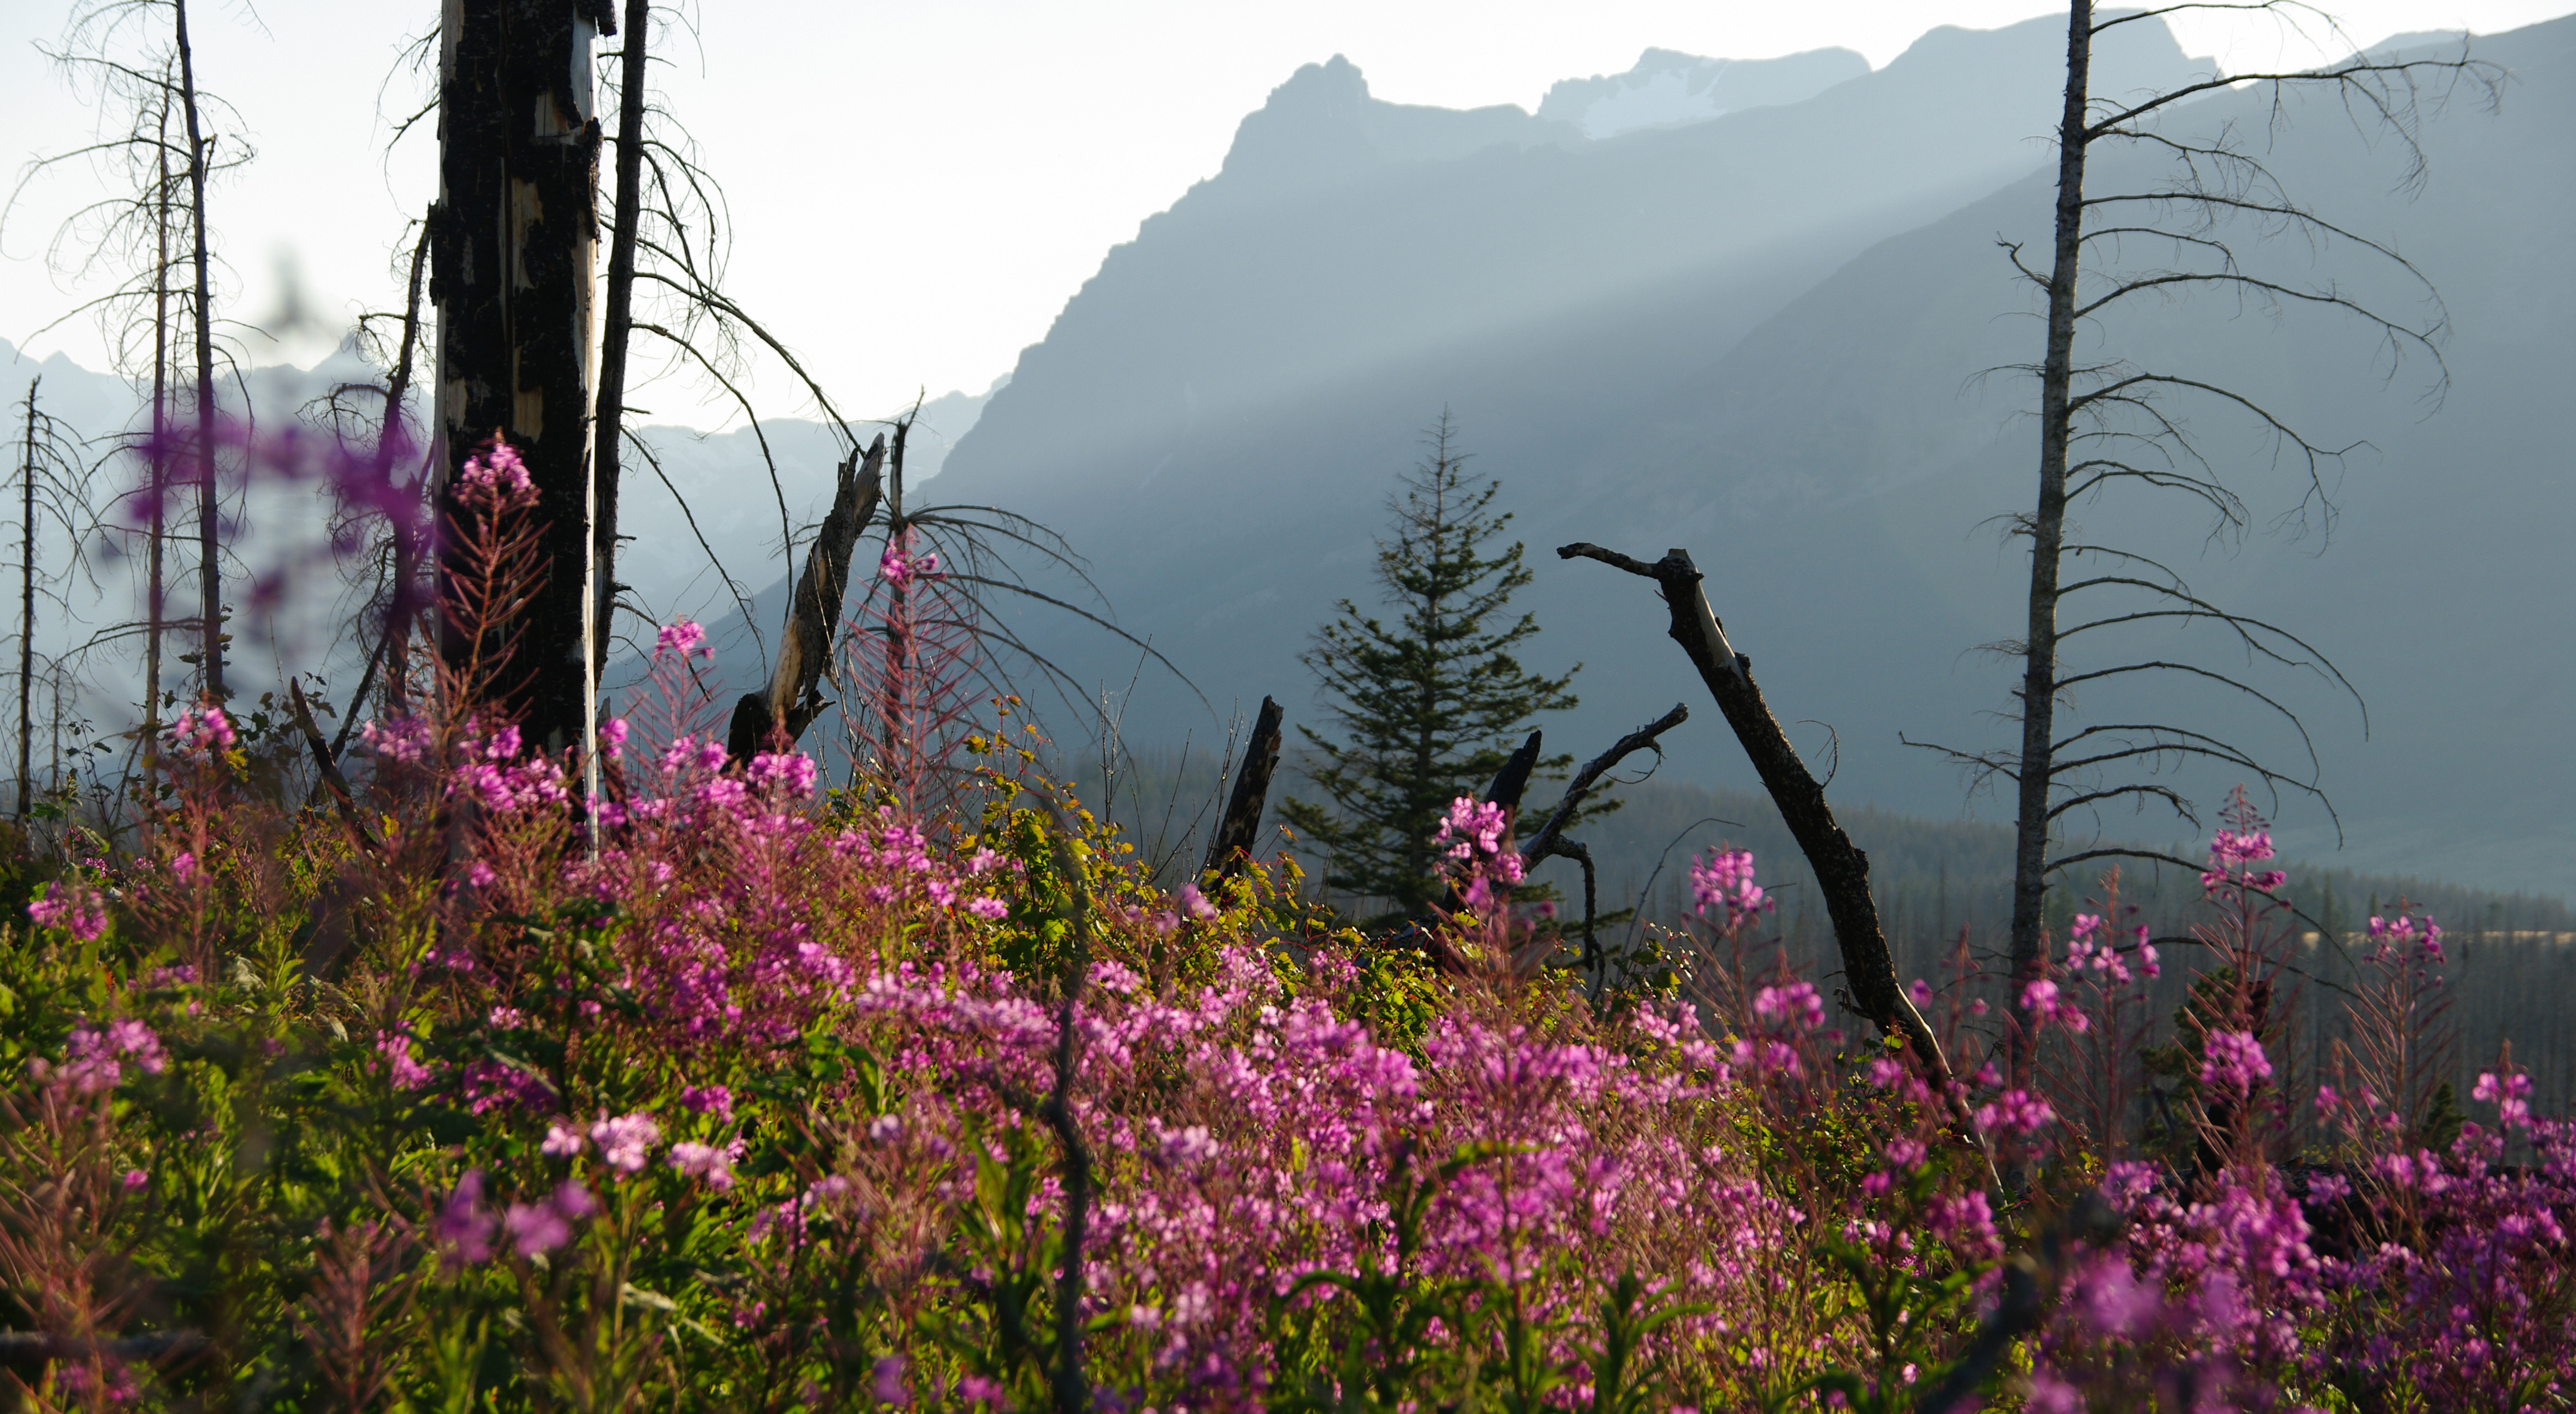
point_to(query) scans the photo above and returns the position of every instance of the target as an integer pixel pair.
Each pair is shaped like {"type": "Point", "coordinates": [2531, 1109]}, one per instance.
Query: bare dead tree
{"type": "Point", "coordinates": [132, 61]}
{"type": "Point", "coordinates": [210, 582]}
{"type": "Point", "coordinates": [1550, 841]}
{"type": "Point", "coordinates": [617, 328]}
{"type": "Point", "coordinates": [2114, 426]}
{"type": "Point", "coordinates": [376, 415]}
{"type": "Point", "coordinates": [1841, 869]}
{"type": "Point", "coordinates": [670, 239]}
{"type": "Point", "coordinates": [794, 699]}
{"type": "Point", "coordinates": [1231, 844]}
{"type": "Point", "coordinates": [49, 487]}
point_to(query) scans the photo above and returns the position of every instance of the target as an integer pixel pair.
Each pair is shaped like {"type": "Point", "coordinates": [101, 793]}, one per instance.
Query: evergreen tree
{"type": "Point", "coordinates": [1430, 705]}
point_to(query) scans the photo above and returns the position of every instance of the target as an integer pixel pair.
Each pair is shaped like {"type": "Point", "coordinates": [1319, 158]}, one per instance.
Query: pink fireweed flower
{"type": "Point", "coordinates": [1966, 1223]}
{"type": "Point", "coordinates": [183, 866]}
{"type": "Point", "coordinates": [682, 640]}
{"type": "Point", "coordinates": [1472, 835]}
{"type": "Point", "coordinates": [538, 1228]}
{"type": "Point", "coordinates": [791, 772]}
{"type": "Point", "coordinates": [573, 1201]}
{"type": "Point", "coordinates": [404, 1072]}
{"type": "Point", "coordinates": [1920, 991]}
{"type": "Point", "coordinates": [463, 1230]}
{"type": "Point", "coordinates": [625, 1141]}
{"type": "Point", "coordinates": [2232, 851]}
{"type": "Point", "coordinates": [94, 1056]}
{"type": "Point", "coordinates": [707, 1100]}
{"type": "Point", "coordinates": [1724, 881]}
{"type": "Point", "coordinates": [535, 1229]}
{"type": "Point", "coordinates": [2017, 1112]}
{"type": "Point", "coordinates": [400, 739]}
{"type": "Point", "coordinates": [705, 1162]}
{"type": "Point", "coordinates": [612, 739]}
{"type": "Point", "coordinates": [202, 730]}
{"type": "Point", "coordinates": [887, 1384]}
{"type": "Point", "coordinates": [495, 480]}
{"type": "Point", "coordinates": [136, 1180]}
{"type": "Point", "coordinates": [2234, 1060]}
{"type": "Point", "coordinates": [563, 1140]}
{"type": "Point", "coordinates": [2041, 1000]}
{"type": "Point", "coordinates": [899, 571]}
{"type": "Point", "coordinates": [2510, 1094]}
{"type": "Point", "coordinates": [1795, 1003]}
{"type": "Point", "coordinates": [1195, 903]}
{"type": "Point", "coordinates": [988, 908]}
{"type": "Point", "coordinates": [75, 910]}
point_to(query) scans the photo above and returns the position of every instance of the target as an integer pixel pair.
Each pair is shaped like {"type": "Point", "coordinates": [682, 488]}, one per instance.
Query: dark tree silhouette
{"type": "Point", "coordinates": [1427, 706]}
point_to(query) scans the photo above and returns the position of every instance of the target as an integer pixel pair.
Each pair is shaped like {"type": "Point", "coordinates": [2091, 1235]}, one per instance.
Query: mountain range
{"type": "Point", "coordinates": [1758, 310]}
{"type": "Point", "coordinates": [1767, 336]}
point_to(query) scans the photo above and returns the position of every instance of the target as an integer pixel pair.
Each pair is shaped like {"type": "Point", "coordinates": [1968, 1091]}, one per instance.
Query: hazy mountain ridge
{"type": "Point", "coordinates": [1754, 335]}
{"type": "Point", "coordinates": [1668, 88]}
{"type": "Point", "coordinates": [1217, 414]}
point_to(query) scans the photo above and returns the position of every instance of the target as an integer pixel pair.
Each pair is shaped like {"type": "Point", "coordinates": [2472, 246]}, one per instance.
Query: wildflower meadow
{"type": "Point", "coordinates": [666, 1079]}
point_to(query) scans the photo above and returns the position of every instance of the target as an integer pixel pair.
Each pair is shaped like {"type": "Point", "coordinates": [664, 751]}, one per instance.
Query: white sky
{"type": "Point", "coordinates": [918, 187]}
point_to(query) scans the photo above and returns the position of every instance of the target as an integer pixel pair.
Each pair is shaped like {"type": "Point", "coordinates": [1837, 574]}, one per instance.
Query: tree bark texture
{"type": "Point", "coordinates": [616, 327]}
{"type": "Point", "coordinates": [512, 244]}
{"type": "Point", "coordinates": [2034, 767]}
{"type": "Point", "coordinates": [1841, 869]}
{"type": "Point", "coordinates": [1241, 825]}
{"type": "Point", "coordinates": [1511, 782]}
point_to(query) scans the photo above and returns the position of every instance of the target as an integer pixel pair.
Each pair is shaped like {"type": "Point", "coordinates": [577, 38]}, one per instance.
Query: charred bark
{"type": "Point", "coordinates": [1511, 782]}
{"type": "Point", "coordinates": [1241, 825]}
{"type": "Point", "coordinates": [617, 326]}
{"type": "Point", "coordinates": [513, 239]}
{"type": "Point", "coordinates": [794, 698]}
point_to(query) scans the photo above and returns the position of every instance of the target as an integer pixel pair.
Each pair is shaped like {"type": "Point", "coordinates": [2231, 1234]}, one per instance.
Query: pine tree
{"type": "Point", "coordinates": [1431, 705]}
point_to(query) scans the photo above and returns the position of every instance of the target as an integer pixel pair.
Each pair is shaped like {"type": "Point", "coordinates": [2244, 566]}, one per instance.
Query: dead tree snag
{"type": "Point", "coordinates": [1842, 870]}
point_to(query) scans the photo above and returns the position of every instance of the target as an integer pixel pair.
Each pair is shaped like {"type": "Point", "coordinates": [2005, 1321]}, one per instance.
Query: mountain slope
{"type": "Point", "coordinates": [1760, 336]}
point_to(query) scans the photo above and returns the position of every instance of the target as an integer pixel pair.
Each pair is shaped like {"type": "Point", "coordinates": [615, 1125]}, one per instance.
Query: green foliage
{"type": "Point", "coordinates": [1430, 705]}
{"type": "Point", "coordinates": [1396, 1335]}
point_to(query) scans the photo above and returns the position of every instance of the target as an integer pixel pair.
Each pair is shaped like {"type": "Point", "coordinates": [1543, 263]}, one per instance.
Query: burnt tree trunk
{"type": "Point", "coordinates": [156, 531]}
{"type": "Point", "coordinates": [2035, 769]}
{"type": "Point", "coordinates": [27, 613]}
{"type": "Point", "coordinates": [512, 242]}
{"type": "Point", "coordinates": [794, 698]}
{"type": "Point", "coordinates": [616, 329]}
{"type": "Point", "coordinates": [1842, 870]}
{"type": "Point", "coordinates": [1240, 827]}
{"type": "Point", "coordinates": [210, 582]}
